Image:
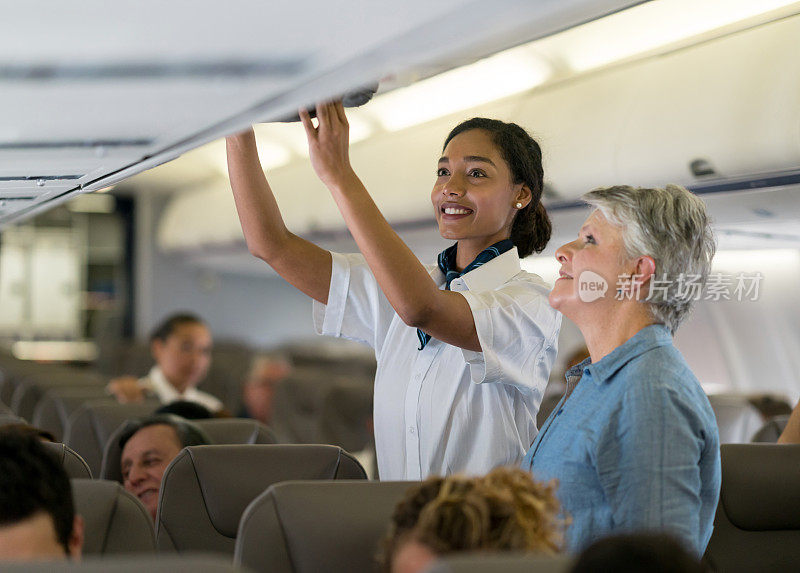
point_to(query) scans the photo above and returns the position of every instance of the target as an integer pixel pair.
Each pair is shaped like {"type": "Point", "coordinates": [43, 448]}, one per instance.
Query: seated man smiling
{"type": "Point", "coordinates": [148, 446]}
{"type": "Point", "coordinates": [37, 515]}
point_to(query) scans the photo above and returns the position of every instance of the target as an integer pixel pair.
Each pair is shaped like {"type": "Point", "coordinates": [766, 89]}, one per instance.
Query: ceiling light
{"type": "Point", "coordinates": [272, 155]}
{"type": "Point", "coordinates": [92, 203]}
{"type": "Point", "coordinates": [498, 76]}
{"type": "Point", "coordinates": [756, 260]}
{"type": "Point", "coordinates": [646, 27]}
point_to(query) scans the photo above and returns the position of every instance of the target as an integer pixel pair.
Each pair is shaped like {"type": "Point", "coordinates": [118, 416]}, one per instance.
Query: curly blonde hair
{"type": "Point", "coordinates": [505, 510]}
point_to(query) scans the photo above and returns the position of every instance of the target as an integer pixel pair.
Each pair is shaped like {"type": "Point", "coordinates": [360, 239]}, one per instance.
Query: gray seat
{"type": "Point", "coordinates": [6, 419]}
{"type": "Point", "coordinates": [508, 563]}
{"type": "Point", "coordinates": [30, 390]}
{"type": "Point", "coordinates": [57, 404]}
{"type": "Point", "coordinates": [297, 406]}
{"type": "Point", "coordinates": [737, 418]}
{"type": "Point", "coordinates": [346, 411]}
{"type": "Point", "coordinates": [74, 465]}
{"type": "Point", "coordinates": [206, 489]}
{"type": "Point", "coordinates": [757, 524]}
{"type": "Point", "coordinates": [5, 409]}
{"type": "Point", "coordinates": [771, 431]}
{"type": "Point", "coordinates": [15, 370]}
{"type": "Point", "coordinates": [306, 527]}
{"type": "Point", "coordinates": [90, 426]}
{"type": "Point", "coordinates": [130, 564]}
{"type": "Point", "coordinates": [236, 431]}
{"type": "Point", "coordinates": [220, 430]}
{"type": "Point", "coordinates": [115, 521]}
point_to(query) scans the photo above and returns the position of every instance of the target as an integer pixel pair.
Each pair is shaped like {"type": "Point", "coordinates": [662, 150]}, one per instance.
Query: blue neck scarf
{"type": "Point", "coordinates": [447, 264]}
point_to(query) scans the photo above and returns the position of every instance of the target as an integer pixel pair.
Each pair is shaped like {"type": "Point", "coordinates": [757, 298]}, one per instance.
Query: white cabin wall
{"type": "Point", "coordinates": [262, 311]}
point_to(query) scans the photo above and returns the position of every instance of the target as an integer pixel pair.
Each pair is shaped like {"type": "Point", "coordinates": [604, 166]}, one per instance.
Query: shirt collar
{"type": "Point", "coordinates": [490, 275]}
{"type": "Point", "coordinates": [648, 338]}
{"type": "Point", "coordinates": [166, 391]}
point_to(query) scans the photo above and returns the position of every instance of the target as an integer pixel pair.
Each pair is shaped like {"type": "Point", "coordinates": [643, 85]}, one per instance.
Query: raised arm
{"type": "Point", "coordinates": [445, 315]}
{"type": "Point", "coordinates": [301, 263]}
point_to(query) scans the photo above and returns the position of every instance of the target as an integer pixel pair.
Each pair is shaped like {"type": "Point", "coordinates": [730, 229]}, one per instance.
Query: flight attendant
{"type": "Point", "coordinates": [464, 347]}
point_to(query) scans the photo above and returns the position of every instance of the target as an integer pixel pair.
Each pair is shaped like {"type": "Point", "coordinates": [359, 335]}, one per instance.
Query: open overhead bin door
{"type": "Point", "coordinates": [93, 92]}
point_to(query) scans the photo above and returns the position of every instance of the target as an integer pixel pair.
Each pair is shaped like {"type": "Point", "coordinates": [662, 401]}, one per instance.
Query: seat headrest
{"type": "Point", "coordinates": [115, 521]}
{"type": "Point", "coordinates": [761, 486]}
{"type": "Point", "coordinates": [90, 426]}
{"type": "Point", "coordinates": [506, 563]}
{"type": "Point", "coordinates": [199, 508]}
{"type": "Point", "coordinates": [74, 465]}
{"type": "Point", "coordinates": [236, 431]}
{"type": "Point", "coordinates": [219, 430]}
{"type": "Point", "coordinates": [349, 519]}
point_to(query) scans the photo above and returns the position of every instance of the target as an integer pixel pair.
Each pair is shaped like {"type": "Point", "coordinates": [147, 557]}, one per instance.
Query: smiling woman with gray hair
{"type": "Point", "coordinates": [633, 442]}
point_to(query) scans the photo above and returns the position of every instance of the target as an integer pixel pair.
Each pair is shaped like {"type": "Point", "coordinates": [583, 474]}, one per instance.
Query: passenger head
{"type": "Point", "coordinates": [186, 409]}
{"type": "Point", "coordinates": [258, 391]}
{"type": "Point", "coordinates": [637, 553]}
{"type": "Point", "coordinates": [660, 239]}
{"type": "Point", "coordinates": [518, 178]}
{"type": "Point", "coordinates": [37, 515]}
{"type": "Point", "coordinates": [148, 446]}
{"type": "Point", "coordinates": [181, 346]}
{"type": "Point", "coordinates": [25, 428]}
{"type": "Point", "coordinates": [505, 510]}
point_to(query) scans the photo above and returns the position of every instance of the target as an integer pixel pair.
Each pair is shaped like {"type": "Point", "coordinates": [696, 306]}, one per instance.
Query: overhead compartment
{"type": "Point", "coordinates": [142, 75]}
{"type": "Point", "coordinates": [733, 102]}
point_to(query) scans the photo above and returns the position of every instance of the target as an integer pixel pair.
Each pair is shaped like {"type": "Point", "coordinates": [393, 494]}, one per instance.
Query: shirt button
{"type": "Point", "coordinates": [411, 430]}
{"type": "Point", "coordinates": [417, 376]}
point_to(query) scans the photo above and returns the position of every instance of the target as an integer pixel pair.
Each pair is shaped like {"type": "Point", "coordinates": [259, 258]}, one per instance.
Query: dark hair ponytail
{"type": "Point", "coordinates": [531, 228]}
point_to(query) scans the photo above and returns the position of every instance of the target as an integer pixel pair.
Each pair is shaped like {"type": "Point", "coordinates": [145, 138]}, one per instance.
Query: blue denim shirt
{"type": "Point", "coordinates": [634, 447]}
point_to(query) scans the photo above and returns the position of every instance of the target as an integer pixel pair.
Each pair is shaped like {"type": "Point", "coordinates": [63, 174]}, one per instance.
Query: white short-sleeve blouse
{"type": "Point", "coordinates": [443, 409]}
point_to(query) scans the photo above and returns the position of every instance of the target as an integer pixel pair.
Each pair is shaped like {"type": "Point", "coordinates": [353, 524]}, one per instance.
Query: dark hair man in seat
{"type": "Point", "coordinates": [148, 446]}
{"type": "Point", "coordinates": [37, 515]}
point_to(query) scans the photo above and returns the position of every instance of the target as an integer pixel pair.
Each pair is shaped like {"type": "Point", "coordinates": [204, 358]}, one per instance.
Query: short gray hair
{"type": "Point", "coordinates": [671, 226]}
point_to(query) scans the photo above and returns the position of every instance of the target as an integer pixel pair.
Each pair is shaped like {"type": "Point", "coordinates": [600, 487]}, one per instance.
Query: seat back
{"type": "Point", "coordinates": [502, 563]}
{"type": "Point", "coordinates": [90, 426]}
{"type": "Point", "coordinates": [236, 431]}
{"type": "Point", "coordinates": [115, 521]}
{"type": "Point", "coordinates": [220, 430]}
{"type": "Point", "coordinates": [206, 489]}
{"type": "Point", "coordinates": [7, 385]}
{"type": "Point", "coordinates": [74, 465]}
{"type": "Point", "coordinates": [6, 419]}
{"type": "Point", "coordinates": [57, 404]}
{"type": "Point", "coordinates": [346, 411]}
{"type": "Point", "coordinates": [129, 564]}
{"type": "Point", "coordinates": [5, 410]}
{"type": "Point", "coordinates": [297, 405]}
{"type": "Point", "coordinates": [29, 390]}
{"type": "Point", "coordinates": [305, 527]}
{"type": "Point", "coordinates": [772, 430]}
{"type": "Point", "coordinates": [757, 524]}
{"type": "Point", "coordinates": [737, 418]}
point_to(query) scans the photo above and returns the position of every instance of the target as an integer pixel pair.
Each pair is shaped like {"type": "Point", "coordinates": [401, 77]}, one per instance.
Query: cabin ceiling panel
{"type": "Point", "coordinates": [166, 77]}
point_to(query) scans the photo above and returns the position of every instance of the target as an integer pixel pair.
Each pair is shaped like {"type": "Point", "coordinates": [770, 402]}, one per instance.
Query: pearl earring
{"type": "Point", "coordinates": [519, 205]}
